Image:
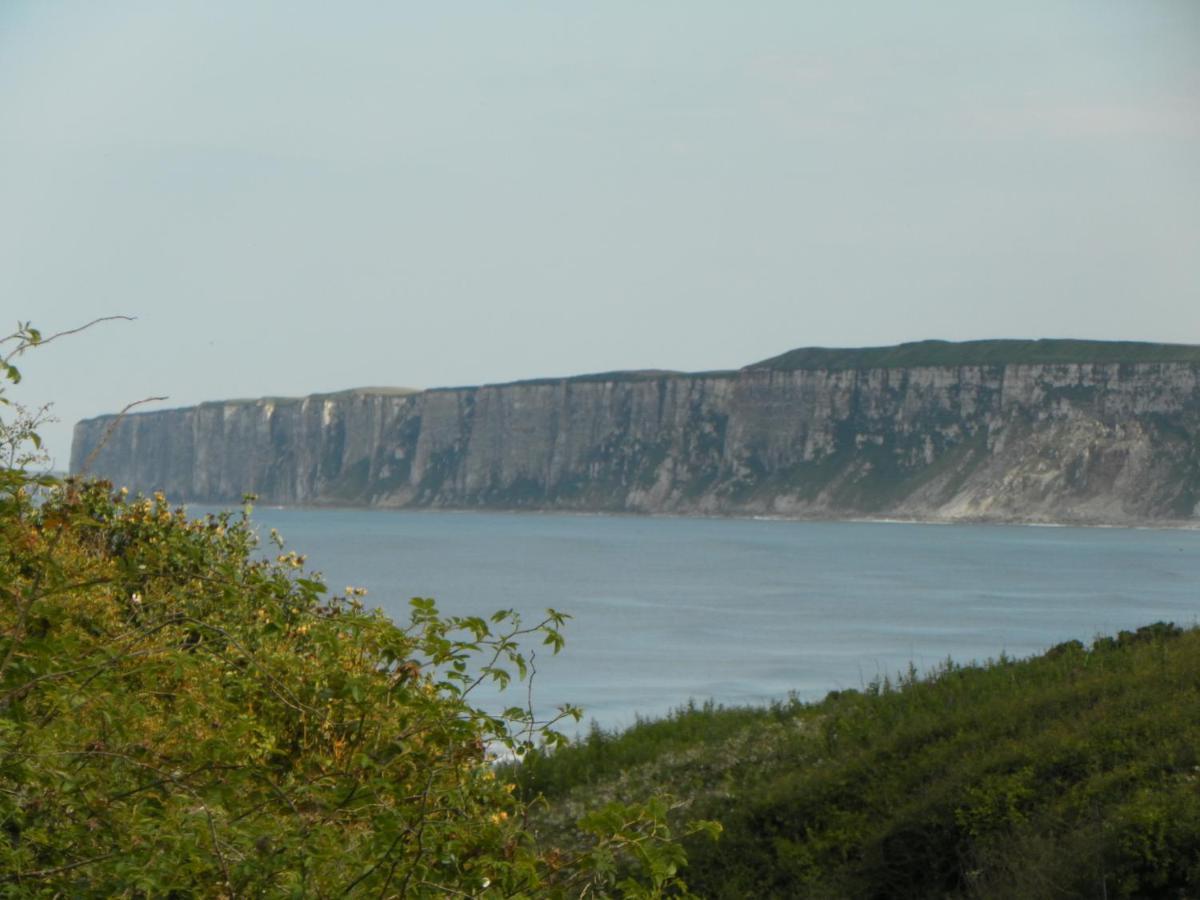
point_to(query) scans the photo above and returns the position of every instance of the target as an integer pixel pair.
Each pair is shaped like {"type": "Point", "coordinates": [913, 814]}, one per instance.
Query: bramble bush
{"type": "Point", "coordinates": [182, 716]}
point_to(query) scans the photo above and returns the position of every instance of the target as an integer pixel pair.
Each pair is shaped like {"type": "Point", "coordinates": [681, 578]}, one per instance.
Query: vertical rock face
{"type": "Point", "coordinates": [1088, 442]}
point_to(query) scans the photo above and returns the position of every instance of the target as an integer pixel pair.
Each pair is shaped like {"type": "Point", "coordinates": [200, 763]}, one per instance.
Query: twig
{"type": "Point", "coordinates": [46, 873]}
{"type": "Point", "coordinates": [20, 334]}
{"type": "Point", "coordinates": [80, 328]}
{"type": "Point", "coordinates": [108, 432]}
{"type": "Point", "coordinates": [420, 840]}
{"type": "Point", "coordinates": [531, 721]}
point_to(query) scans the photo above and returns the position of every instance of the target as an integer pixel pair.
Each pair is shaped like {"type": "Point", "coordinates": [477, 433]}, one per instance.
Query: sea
{"type": "Point", "coordinates": [668, 611]}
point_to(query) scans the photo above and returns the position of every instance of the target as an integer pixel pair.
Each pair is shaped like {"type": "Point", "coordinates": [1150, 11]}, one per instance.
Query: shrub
{"type": "Point", "coordinates": [181, 716]}
{"type": "Point", "coordinates": [1072, 774]}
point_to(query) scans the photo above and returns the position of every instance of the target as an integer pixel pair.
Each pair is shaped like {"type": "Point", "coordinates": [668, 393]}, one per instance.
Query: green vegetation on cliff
{"type": "Point", "coordinates": [981, 353]}
{"type": "Point", "coordinates": [1072, 774]}
{"type": "Point", "coordinates": [996, 352]}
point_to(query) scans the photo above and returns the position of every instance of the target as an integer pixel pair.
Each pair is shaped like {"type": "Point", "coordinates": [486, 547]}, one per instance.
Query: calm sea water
{"type": "Point", "coordinates": [740, 611]}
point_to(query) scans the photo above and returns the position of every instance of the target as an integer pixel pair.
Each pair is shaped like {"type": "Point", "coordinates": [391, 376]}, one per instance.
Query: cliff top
{"type": "Point", "coordinates": [981, 353]}
{"type": "Point", "coordinates": [348, 392]}
{"type": "Point", "coordinates": [1045, 351]}
{"type": "Point", "coordinates": [617, 375]}
{"type": "Point", "coordinates": [999, 352]}
{"type": "Point", "coordinates": [251, 401]}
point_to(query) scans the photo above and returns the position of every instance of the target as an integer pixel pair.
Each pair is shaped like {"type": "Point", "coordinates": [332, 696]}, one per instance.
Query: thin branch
{"type": "Point", "coordinates": [445, 889]}
{"type": "Point", "coordinates": [166, 779]}
{"type": "Point", "coordinates": [420, 838]}
{"type": "Point", "coordinates": [505, 643]}
{"type": "Point", "coordinates": [25, 344]}
{"type": "Point", "coordinates": [59, 334]}
{"type": "Point", "coordinates": [531, 723]}
{"type": "Point", "coordinates": [46, 873]}
{"type": "Point", "coordinates": [108, 432]}
{"type": "Point", "coordinates": [355, 883]}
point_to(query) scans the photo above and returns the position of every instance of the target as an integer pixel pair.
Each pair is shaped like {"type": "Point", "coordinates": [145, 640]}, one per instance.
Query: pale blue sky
{"type": "Point", "coordinates": [305, 196]}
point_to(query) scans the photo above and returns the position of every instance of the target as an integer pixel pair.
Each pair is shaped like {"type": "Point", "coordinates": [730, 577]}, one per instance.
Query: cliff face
{"type": "Point", "coordinates": [1088, 442]}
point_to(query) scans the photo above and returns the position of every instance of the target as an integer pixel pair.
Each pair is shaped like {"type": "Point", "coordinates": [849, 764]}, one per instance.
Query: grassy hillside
{"type": "Point", "coordinates": [981, 353]}
{"type": "Point", "coordinates": [1073, 774]}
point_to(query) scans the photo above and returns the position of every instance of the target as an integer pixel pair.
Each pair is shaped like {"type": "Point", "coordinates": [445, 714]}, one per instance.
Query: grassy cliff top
{"type": "Point", "coordinates": [1001, 352]}
{"type": "Point", "coordinates": [981, 353]}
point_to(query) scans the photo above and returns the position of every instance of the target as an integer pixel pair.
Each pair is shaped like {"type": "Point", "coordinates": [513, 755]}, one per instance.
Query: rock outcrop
{"type": "Point", "coordinates": [1109, 441]}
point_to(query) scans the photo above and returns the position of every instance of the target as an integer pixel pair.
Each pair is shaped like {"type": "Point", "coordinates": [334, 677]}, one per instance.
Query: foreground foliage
{"type": "Point", "coordinates": [180, 716]}
{"type": "Point", "coordinates": [1073, 774]}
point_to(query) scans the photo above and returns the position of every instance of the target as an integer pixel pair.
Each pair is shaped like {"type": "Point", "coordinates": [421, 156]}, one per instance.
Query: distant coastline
{"type": "Point", "coordinates": [1140, 525]}
{"type": "Point", "coordinates": [985, 431]}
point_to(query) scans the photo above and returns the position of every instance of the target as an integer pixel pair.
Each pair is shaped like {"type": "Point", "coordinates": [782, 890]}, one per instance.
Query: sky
{"type": "Point", "coordinates": [293, 197]}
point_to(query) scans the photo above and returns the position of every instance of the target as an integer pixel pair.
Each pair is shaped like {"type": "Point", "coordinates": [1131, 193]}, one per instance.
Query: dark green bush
{"type": "Point", "coordinates": [1072, 774]}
